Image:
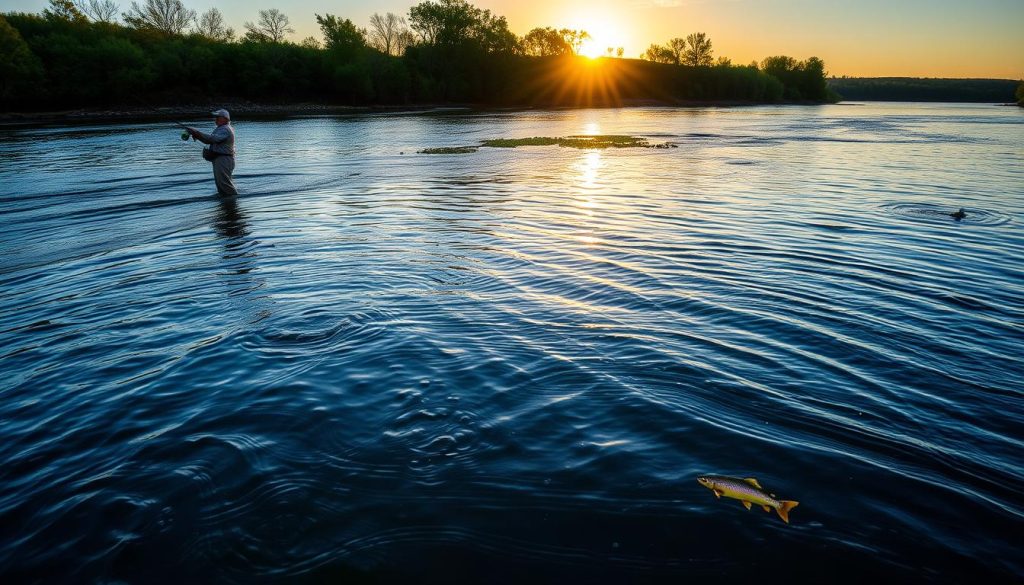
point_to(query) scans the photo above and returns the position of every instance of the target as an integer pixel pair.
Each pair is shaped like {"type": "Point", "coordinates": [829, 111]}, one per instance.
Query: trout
{"type": "Point", "coordinates": [747, 491]}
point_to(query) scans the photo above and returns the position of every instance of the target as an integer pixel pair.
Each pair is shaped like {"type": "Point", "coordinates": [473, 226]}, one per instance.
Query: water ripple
{"type": "Point", "coordinates": [378, 366]}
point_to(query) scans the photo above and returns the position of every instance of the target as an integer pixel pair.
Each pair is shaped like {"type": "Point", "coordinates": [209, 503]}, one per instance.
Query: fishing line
{"type": "Point", "coordinates": [184, 135]}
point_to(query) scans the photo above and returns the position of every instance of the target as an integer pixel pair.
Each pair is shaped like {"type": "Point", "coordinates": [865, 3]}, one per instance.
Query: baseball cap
{"type": "Point", "coordinates": [221, 113]}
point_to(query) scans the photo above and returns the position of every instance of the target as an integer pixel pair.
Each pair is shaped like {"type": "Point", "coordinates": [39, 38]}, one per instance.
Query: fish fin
{"type": "Point", "coordinates": [753, 482]}
{"type": "Point", "coordinates": [784, 507]}
{"type": "Point", "coordinates": [767, 508]}
{"type": "Point", "coordinates": [746, 504]}
{"type": "Point", "coordinates": [717, 493]}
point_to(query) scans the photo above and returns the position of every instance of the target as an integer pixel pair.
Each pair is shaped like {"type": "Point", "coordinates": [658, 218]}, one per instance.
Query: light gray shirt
{"type": "Point", "coordinates": [221, 140]}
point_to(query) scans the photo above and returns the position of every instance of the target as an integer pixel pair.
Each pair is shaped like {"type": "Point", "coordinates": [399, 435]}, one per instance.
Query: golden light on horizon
{"type": "Point", "coordinates": [605, 33]}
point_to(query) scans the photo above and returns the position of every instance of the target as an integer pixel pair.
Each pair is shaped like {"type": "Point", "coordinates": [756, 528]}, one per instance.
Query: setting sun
{"type": "Point", "coordinates": [604, 35]}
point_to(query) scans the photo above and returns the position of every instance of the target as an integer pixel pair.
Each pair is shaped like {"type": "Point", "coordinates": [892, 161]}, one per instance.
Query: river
{"type": "Point", "coordinates": [511, 365]}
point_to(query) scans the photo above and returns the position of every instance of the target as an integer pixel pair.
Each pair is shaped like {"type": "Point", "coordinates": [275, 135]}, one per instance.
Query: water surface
{"type": "Point", "coordinates": [512, 365]}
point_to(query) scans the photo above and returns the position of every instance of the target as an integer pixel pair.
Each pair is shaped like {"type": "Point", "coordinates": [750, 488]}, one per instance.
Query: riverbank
{"type": "Point", "coordinates": [254, 110]}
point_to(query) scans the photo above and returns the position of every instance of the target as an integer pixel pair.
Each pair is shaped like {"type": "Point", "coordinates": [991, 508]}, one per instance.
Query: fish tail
{"type": "Point", "coordinates": [784, 507]}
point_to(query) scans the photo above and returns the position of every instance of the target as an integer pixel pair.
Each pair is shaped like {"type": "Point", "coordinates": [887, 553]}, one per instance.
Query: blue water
{"type": "Point", "coordinates": [512, 365]}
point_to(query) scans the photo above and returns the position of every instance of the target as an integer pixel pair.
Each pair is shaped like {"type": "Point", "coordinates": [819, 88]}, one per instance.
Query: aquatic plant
{"type": "Point", "coordinates": [449, 150]}
{"type": "Point", "coordinates": [578, 141]}
{"type": "Point", "coordinates": [575, 141]}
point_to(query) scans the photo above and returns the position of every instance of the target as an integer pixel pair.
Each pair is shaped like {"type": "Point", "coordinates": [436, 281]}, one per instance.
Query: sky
{"type": "Point", "coordinates": [858, 38]}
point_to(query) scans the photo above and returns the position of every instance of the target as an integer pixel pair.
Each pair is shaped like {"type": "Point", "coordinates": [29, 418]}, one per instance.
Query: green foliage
{"type": "Point", "coordinates": [698, 51]}
{"type": "Point", "coordinates": [450, 150]}
{"type": "Point", "coordinates": [659, 54]}
{"type": "Point", "coordinates": [802, 80]}
{"type": "Point", "coordinates": [924, 90]}
{"type": "Point", "coordinates": [693, 51]}
{"type": "Point", "coordinates": [21, 73]}
{"type": "Point", "coordinates": [64, 10]}
{"type": "Point", "coordinates": [545, 42]}
{"type": "Point", "coordinates": [341, 35]}
{"type": "Point", "coordinates": [466, 55]}
{"type": "Point", "coordinates": [578, 141]}
{"type": "Point", "coordinates": [454, 23]}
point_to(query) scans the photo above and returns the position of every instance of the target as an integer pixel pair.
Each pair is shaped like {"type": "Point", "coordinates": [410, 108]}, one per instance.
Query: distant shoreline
{"type": "Point", "coordinates": [255, 111]}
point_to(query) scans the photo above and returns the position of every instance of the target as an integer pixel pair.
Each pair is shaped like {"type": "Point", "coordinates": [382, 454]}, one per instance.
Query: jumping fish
{"type": "Point", "coordinates": [747, 491]}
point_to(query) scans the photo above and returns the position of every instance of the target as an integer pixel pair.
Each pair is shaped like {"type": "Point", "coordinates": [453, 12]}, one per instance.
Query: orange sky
{"type": "Point", "coordinates": [920, 38]}
{"type": "Point", "coordinates": [936, 38]}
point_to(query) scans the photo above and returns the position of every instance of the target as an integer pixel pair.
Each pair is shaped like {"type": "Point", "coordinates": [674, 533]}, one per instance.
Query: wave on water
{"type": "Point", "coordinates": [375, 366]}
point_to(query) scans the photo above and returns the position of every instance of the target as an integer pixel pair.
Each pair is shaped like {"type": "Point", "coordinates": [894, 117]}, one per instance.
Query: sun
{"type": "Point", "coordinates": [605, 32]}
{"type": "Point", "coordinates": [592, 49]}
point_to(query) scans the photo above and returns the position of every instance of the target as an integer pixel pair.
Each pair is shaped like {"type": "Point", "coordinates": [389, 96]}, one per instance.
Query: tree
{"type": "Point", "coordinates": [491, 32]}
{"type": "Point", "coordinates": [574, 38]}
{"type": "Point", "coordinates": [99, 10]}
{"type": "Point", "coordinates": [677, 47]}
{"type": "Point", "coordinates": [445, 22]}
{"type": "Point", "coordinates": [340, 34]}
{"type": "Point", "coordinates": [386, 33]}
{"type": "Point", "coordinates": [169, 16]}
{"type": "Point", "coordinates": [813, 84]}
{"type": "Point", "coordinates": [545, 42]}
{"type": "Point", "coordinates": [659, 54]}
{"type": "Point", "coordinates": [1020, 94]}
{"type": "Point", "coordinates": [271, 28]}
{"type": "Point", "coordinates": [698, 51]}
{"type": "Point", "coordinates": [449, 23]}
{"type": "Point", "coordinates": [21, 74]}
{"type": "Point", "coordinates": [406, 39]}
{"type": "Point", "coordinates": [211, 26]}
{"type": "Point", "coordinates": [778, 65]}
{"type": "Point", "coordinates": [620, 52]}
{"type": "Point", "coordinates": [311, 43]}
{"type": "Point", "coordinates": [64, 10]}
{"type": "Point", "coordinates": [724, 62]}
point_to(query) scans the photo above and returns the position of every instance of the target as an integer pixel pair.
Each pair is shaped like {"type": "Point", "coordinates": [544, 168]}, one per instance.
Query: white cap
{"type": "Point", "coordinates": [220, 113]}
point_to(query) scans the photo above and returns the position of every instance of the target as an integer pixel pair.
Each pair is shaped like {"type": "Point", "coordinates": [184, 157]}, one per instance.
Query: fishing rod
{"type": "Point", "coordinates": [184, 135]}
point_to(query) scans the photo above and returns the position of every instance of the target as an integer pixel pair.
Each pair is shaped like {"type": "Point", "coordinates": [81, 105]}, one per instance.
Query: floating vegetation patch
{"type": "Point", "coordinates": [514, 142]}
{"type": "Point", "coordinates": [578, 141]}
{"type": "Point", "coordinates": [450, 150]}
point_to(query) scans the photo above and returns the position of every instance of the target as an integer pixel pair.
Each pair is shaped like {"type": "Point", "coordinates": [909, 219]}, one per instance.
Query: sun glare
{"type": "Point", "coordinates": [604, 35]}
{"type": "Point", "coordinates": [592, 49]}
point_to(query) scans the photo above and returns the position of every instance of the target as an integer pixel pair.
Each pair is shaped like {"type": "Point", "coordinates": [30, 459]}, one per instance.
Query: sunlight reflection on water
{"type": "Point", "coordinates": [383, 362]}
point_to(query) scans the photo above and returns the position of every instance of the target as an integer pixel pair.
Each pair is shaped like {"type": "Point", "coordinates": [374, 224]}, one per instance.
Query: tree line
{"type": "Point", "coordinates": [77, 54]}
{"type": "Point", "coordinates": [908, 89]}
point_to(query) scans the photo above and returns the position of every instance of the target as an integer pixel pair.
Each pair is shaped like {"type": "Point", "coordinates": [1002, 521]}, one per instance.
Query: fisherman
{"type": "Point", "coordinates": [221, 151]}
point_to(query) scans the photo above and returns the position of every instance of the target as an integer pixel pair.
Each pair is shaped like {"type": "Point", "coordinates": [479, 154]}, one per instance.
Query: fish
{"type": "Point", "coordinates": [748, 491]}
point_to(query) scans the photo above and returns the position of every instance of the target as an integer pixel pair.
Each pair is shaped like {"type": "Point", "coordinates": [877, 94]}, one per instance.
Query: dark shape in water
{"type": "Point", "coordinates": [958, 215]}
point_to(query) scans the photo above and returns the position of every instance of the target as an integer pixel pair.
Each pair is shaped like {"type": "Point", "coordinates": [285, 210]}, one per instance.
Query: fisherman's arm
{"type": "Point", "coordinates": [216, 137]}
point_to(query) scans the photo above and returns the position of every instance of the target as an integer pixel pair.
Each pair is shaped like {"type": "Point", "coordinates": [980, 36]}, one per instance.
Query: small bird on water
{"type": "Point", "coordinates": [747, 491]}
{"type": "Point", "coordinates": [958, 215]}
